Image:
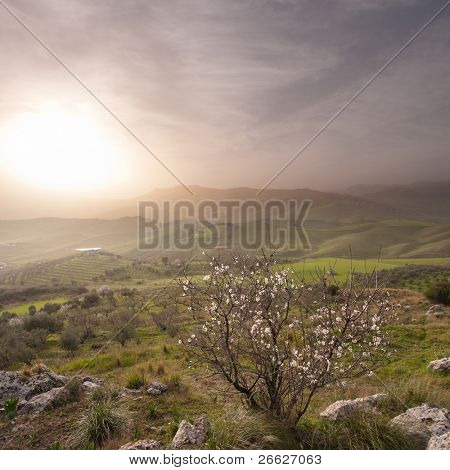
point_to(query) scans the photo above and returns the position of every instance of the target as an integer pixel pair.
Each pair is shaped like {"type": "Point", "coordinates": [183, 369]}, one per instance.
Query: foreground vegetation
{"type": "Point", "coordinates": [82, 334]}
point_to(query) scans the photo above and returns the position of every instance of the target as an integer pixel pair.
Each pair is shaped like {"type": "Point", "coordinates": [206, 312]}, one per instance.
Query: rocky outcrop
{"type": "Point", "coordinates": [346, 408]}
{"type": "Point", "coordinates": [15, 384]}
{"type": "Point", "coordinates": [40, 388]}
{"type": "Point", "coordinates": [156, 388]}
{"type": "Point", "coordinates": [440, 365]}
{"type": "Point", "coordinates": [52, 398]}
{"type": "Point", "coordinates": [441, 442]}
{"type": "Point", "coordinates": [423, 421]}
{"type": "Point", "coordinates": [435, 310]}
{"type": "Point", "coordinates": [191, 434]}
{"type": "Point", "coordinates": [143, 444]}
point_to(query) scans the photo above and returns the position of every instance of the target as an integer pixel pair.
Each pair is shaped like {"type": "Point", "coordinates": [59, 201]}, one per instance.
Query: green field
{"type": "Point", "coordinates": [23, 308]}
{"type": "Point", "coordinates": [309, 268]}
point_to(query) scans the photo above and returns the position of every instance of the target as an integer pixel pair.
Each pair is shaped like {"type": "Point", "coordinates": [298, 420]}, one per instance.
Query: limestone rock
{"type": "Point", "coordinates": [440, 365]}
{"type": "Point", "coordinates": [345, 408]}
{"type": "Point", "coordinates": [156, 388]}
{"type": "Point", "coordinates": [191, 434]}
{"type": "Point", "coordinates": [46, 400]}
{"type": "Point", "coordinates": [424, 421]}
{"type": "Point", "coordinates": [436, 310]}
{"type": "Point", "coordinates": [89, 386]}
{"type": "Point", "coordinates": [441, 442]}
{"type": "Point", "coordinates": [38, 384]}
{"type": "Point", "coordinates": [143, 444]}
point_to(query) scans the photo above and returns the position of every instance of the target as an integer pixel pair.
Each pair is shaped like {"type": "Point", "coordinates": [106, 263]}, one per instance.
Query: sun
{"type": "Point", "coordinates": [59, 151]}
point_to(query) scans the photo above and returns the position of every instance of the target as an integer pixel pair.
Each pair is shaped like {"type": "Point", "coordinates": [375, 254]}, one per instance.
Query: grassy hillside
{"type": "Point", "coordinates": [30, 241]}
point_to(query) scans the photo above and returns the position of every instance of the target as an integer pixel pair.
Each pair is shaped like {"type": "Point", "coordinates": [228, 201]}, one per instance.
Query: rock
{"type": "Point", "coordinates": [38, 384]}
{"type": "Point", "coordinates": [49, 399]}
{"type": "Point", "coordinates": [191, 434]}
{"type": "Point", "coordinates": [424, 421]}
{"type": "Point", "coordinates": [89, 386]}
{"type": "Point", "coordinates": [435, 310]}
{"type": "Point", "coordinates": [441, 442]}
{"type": "Point", "coordinates": [10, 385]}
{"type": "Point", "coordinates": [92, 379]}
{"type": "Point", "coordinates": [440, 365]}
{"type": "Point", "coordinates": [345, 408]}
{"type": "Point", "coordinates": [156, 388]}
{"type": "Point", "coordinates": [143, 444]}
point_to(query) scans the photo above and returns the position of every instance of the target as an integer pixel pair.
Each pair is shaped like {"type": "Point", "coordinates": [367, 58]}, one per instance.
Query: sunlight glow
{"type": "Point", "coordinates": [59, 151]}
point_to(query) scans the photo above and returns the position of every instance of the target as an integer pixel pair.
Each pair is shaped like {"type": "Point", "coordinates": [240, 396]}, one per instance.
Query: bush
{"type": "Point", "coordinates": [439, 292]}
{"type": "Point", "coordinates": [70, 339]}
{"type": "Point", "coordinates": [51, 307]}
{"type": "Point", "coordinates": [175, 381]}
{"type": "Point", "coordinates": [90, 300]}
{"type": "Point", "coordinates": [44, 321]}
{"type": "Point", "coordinates": [136, 381]}
{"type": "Point", "coordinates": [74, 388]}
{"type": "Point", "coordinates": [17, 345]}
{"type": "Point", "coordinates": [11, 407]}
{"type": "Point", "coordinates": [101, 421]}
{"type": "Point", "coordinates": [152, 411]}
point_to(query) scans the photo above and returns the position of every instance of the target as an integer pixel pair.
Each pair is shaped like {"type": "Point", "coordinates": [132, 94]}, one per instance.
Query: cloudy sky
{"type": "Point", "coordinates": [224, 92]}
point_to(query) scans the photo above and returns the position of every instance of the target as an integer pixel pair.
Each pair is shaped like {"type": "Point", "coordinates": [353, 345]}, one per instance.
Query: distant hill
{"type": "Point", "coordinates": [325, 206]}
{"type": "Point", "coordinates": [30, 241]}
{"type": "Point", "coordinates": [401, 221]}
{"type": "Point", "coordinates": [422, 200]}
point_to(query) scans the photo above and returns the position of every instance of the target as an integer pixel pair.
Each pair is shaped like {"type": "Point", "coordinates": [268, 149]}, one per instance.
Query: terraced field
{"type": "Point", "coordinates": [80, 269]}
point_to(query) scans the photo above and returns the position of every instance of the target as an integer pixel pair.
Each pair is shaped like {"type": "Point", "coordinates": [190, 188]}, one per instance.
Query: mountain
{"type": "Point", "coordinates": [326, 206]}
{"type": "Point", "coordinates": [421, 200]}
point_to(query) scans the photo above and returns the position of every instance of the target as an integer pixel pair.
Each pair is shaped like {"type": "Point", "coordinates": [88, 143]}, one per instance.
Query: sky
{"type": "Point", "coordinates": [224, 93]}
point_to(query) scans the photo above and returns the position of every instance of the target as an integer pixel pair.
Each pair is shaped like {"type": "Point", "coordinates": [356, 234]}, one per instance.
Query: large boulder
{"type": "Point", "coordinates": [346, 408]}
{"type": "Point", "coordinates": [15, 384]}
{"type": "Point", "coordinates": [440, 365]}
{"type": "Point", "coordinates": [50, 399]}
{"type": "Point", "coordinates": [441, 442]}
{"type": "Point", "coordinates": [191, 434]}
{"type": "Point", "coordinates": [423, 421]}
{"type": "Point", "coordinates": [41, 383]}
{"type": "Point", "coordinates": [156, 388]}
{"type": "Point", "coordinates": [143, 444]}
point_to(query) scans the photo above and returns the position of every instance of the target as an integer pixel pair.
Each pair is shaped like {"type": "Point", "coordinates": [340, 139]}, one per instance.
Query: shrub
{"type": "Point", "coordinates": [152, 411]}
{"type": "Point", "coordinates": [44, 321]}
{"type": "Point", "coordinates": [16, 345]}
{"type": "Point", "coordinates": [74, 389]}
{"type": "Point", "coordinates": [439, 292]}
{"type": "Point", "coordinates": [172, 427]}
{"type": "Point", "coordinates": [90, 300]}
{"type": "Point", "coordinates": [136, 381]}
{"type": "Point", "coordinates": [277, 342]}
{"type": "Point", "coordinates": [175, 381]}
{"type": "Point", "coordinates": [123, 325]}
{"type": "Point", "coordinates": [70, 339]}
{"type": "Point", "coordinates": [165, 319]}
{"type": "Point", "coordinates": [102, 420]}
{"type": "Point", "coordinates": [11, 407]}
{"type": "Point", "coordinates": [50, 307]}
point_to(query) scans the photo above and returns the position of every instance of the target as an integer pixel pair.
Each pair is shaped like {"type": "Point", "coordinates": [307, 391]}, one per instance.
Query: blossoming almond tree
{"type": "Point", "coordinates": [278, 341]}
